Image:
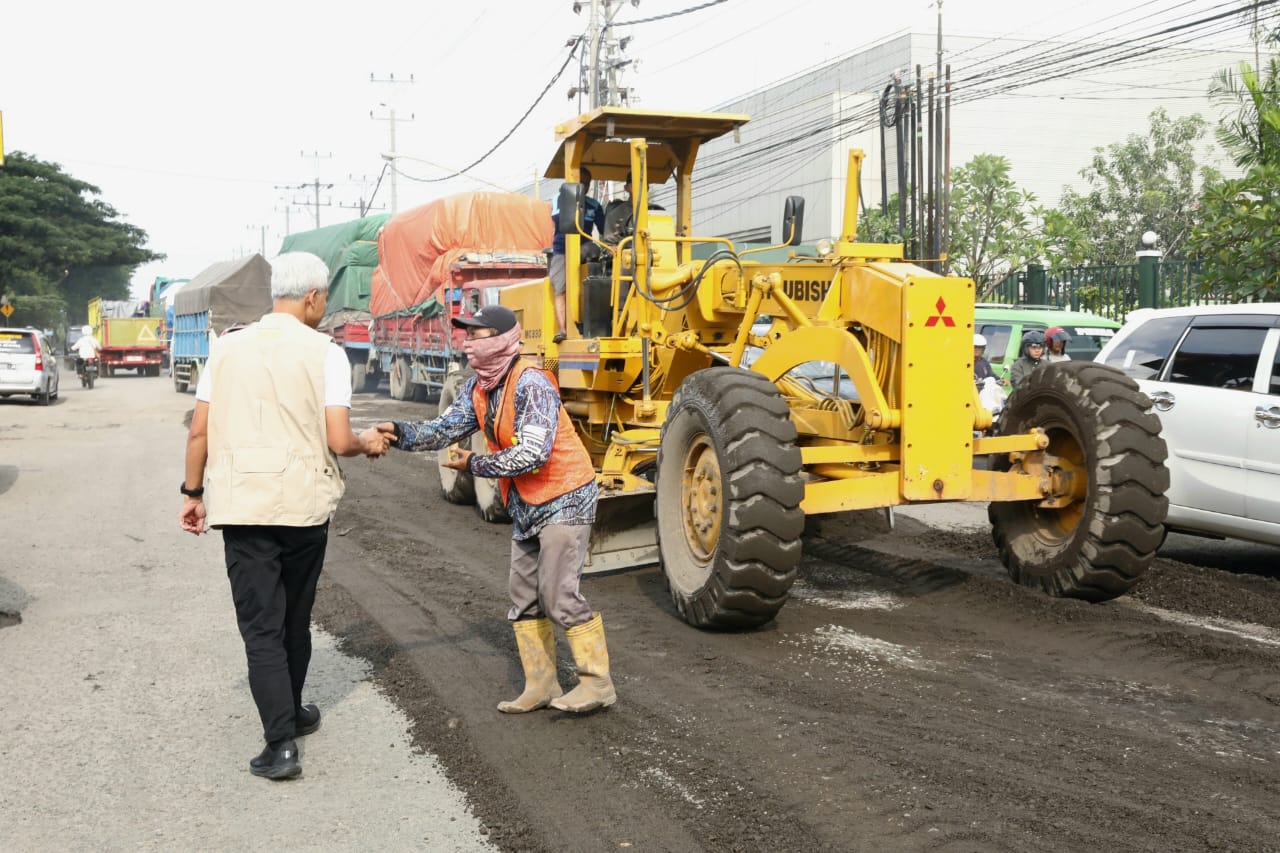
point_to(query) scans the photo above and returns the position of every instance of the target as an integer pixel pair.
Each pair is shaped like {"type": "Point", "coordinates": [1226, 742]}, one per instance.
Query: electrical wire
{"type": "Point", "coordinates": [485, 156]}
{"type": "Point", "coordinates": [698, 8]}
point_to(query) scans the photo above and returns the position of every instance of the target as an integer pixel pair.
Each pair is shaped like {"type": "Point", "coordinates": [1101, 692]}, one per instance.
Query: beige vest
{"type": "Point", "coordinates": [269, 457]}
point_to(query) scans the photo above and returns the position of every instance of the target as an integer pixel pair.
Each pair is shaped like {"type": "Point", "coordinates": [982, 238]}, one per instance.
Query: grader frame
{"type": "Point", "coordinates": [736, 458]}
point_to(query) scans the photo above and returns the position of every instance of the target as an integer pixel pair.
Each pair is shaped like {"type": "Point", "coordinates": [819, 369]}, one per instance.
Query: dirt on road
{"type": "Point", "coordinates": [908, 697]}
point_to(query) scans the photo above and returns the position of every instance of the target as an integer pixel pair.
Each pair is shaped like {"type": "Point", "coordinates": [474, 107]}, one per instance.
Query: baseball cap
{"type": "Point", "coordinates": [497, 317]}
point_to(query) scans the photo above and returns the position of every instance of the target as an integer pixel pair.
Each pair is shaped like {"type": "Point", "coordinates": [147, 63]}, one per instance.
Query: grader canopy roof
{"type": "Point", "coordinates": [606, 130]}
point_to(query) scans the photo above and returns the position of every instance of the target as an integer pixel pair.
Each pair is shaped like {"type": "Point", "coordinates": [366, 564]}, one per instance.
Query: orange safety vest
{"type": "Point", "coordinates": [568, 468]}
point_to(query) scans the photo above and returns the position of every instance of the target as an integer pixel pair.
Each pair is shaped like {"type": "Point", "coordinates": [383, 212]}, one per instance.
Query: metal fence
{"type": "Point", "coordinates": [1109, 290]}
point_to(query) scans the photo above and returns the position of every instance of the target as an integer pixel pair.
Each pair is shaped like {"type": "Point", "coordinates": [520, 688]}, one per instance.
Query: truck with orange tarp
{"type": "Point", "coordinates": [442, 260]}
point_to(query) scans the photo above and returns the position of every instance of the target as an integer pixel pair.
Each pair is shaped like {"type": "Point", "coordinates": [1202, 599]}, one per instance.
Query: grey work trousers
{"type": "Point", "coordinates": [545, 572]}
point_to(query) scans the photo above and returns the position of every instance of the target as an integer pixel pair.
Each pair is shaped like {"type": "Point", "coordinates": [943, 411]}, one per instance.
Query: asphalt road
{"type": "Point", "coordinates": [908, 697]}
{"type": "Point", "coordinates": [125, 715]}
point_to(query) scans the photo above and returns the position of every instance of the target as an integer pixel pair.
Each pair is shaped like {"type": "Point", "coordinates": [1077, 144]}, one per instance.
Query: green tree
{"type": "Point", "coordinates": [990, 220]}
{"type": "Point", "coordinates": [60, 243]}
{"type": "Point", "coordinates": [1250, 131]}
{"type": "Point", "coordinates": [1149, 182]}
{"type": "Point", "coordinates": [1238, 238]}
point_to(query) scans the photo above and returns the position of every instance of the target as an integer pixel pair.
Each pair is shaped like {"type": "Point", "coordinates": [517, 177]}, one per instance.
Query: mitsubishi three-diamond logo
{"type": "Point", "coordinates": [946, 320]}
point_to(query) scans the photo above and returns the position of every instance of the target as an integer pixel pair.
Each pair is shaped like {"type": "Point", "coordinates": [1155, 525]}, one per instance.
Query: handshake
{"type": "Point", "coordinates": [376, 439]}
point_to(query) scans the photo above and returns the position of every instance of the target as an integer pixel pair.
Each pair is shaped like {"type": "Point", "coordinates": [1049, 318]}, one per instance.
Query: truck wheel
{"type": "Point", "coordinates": [1102, 430]}
{"type": "Point", "coordinates": [455, 486]}
{"type": "Point", "coordinates": [179, 385]}
{"type": "Point", "coordinates": [359, 377]}
{"type": "Point", "coordinates": [401, 389]}
{"type": "Point", "coordinates": [729, 491]}
{"type": "Point", "coordinates": [488, 493]}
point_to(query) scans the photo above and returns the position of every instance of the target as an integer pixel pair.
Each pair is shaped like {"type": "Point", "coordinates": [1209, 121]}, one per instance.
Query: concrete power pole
{"type": "Point", "coordinates": [604, 56]}
{"type": "Point", "coordinates": [391, 120]}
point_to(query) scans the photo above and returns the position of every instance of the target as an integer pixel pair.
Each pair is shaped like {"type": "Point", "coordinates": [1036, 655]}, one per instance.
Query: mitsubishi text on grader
{"type": "Point", "coordinates": [725, 462]}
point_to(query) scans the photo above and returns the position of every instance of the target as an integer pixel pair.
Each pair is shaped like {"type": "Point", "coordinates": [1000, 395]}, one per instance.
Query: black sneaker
{"type": "Point", "coordinates": [559, 338]}
{"type": "Point", "coordinates": [278, 763]}
{"type": "Point", "coordinates": [306, 720]}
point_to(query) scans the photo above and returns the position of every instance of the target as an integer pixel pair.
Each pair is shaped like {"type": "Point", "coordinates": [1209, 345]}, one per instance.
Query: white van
{"type": "Point", "coordinates": [28, 365]}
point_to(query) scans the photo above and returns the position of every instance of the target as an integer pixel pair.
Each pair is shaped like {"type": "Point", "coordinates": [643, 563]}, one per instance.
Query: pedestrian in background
{"type": "Point", "coordinates": [549, 489]}
{"type": "Point", "coordinates": [272, 415]}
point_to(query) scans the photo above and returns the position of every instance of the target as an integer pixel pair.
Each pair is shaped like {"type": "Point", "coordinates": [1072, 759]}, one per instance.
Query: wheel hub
{"type": "Point", "coordinates": [701, 498]}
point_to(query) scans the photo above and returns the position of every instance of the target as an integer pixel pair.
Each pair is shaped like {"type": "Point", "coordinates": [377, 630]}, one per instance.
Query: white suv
{"type": "Point", "coordinates": [28, 365]}
{"type": "Point", "coordinates": [1213, 374]}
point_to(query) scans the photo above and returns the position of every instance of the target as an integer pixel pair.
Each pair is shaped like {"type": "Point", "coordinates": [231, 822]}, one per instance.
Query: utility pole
{"type": "Point", "coordinates": [361, 206]}
{"type": "Point", "coordinates": [598, 78]}
{"type": "Point", "coordinates": [391, 120]}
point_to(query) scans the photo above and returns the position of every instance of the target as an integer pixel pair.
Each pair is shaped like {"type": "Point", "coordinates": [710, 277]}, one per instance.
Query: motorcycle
{"type": "Point", "coordinates": [87, 370]}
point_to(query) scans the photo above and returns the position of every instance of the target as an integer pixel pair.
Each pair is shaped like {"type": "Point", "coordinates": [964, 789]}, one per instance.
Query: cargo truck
{"type": "Point", "coordinates": [225, 295]}
{"type": "Point", "coordinates": [130, 339]}
{"type": "Point", "coordinates": [442, 260]}
{"type": "Point", "coordinates": [350, 251]}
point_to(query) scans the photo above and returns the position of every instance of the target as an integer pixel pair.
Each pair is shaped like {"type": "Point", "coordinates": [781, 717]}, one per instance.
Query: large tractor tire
{"type": "Point", "coordinates": [729, 491]}
{"type": "Point", "coordinates": [1102, 430]}
{"type": "Point", "coordinates": [488, 493]}
{"type": "Point", "coordinates": [401, 387]}
{"type": "Point", "coordinates": [456, 487]}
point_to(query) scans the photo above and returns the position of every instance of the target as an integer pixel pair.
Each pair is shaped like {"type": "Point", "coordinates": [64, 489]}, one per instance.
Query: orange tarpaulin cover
{"type": "Point", "coordinates": [417, 246]}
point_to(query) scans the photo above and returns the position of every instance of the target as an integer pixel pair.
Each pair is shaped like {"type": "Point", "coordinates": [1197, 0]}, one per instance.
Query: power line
{"type": "Point", "coordinates": [698, 8]}
{"type": "Point", "coordinates": [573, 48]}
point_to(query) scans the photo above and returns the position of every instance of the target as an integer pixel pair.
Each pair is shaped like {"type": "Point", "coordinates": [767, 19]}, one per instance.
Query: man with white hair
{"type": "Point", "coordinates": [272, 415]}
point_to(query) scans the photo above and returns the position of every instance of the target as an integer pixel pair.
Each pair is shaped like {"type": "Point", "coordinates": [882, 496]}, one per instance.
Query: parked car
{"type": "Point", "coordinates": [28, 365]}
{"type": "Point", "coordinates": [1213, 375]}
{"type": "Point", "coordinates": [1004, 325]}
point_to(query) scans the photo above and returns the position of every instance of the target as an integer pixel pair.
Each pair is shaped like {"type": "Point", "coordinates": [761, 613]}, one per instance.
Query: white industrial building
{"type": "Point", "coordinates": [802, 128]}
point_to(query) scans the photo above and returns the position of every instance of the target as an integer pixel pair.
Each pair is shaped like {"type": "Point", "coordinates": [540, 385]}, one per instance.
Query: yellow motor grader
{"type": "Point", "coordinates": [725, 461]}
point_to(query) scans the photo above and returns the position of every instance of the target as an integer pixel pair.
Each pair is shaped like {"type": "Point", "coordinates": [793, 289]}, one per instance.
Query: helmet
{"type": "Point", "coordinates": [1035, 336]}
{"type": "Point", "coordinates": [87, 330]}
{"type": "Point", "coordinates": [1057, 334]}
{"type": "Point", "coordinates": [979, 341]}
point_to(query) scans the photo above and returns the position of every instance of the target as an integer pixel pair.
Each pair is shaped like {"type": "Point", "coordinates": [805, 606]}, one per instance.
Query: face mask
{"type": "Point", "coordinates": [491, 357]}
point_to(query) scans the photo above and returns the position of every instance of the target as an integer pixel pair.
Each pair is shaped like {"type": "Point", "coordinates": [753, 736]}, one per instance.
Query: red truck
{"type": "Point", "coordinates": [418, 348]}
{"type": "Point", "coordinates": [439, 261]}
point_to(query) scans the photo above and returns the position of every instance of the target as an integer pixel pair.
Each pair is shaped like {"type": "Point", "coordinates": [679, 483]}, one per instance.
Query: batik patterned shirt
{"type": "Point", "coordinates": [537, 403]}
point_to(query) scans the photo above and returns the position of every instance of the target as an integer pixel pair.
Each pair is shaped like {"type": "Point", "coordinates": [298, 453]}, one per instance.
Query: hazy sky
{"type": "Point", "coordinates": [189, 116]}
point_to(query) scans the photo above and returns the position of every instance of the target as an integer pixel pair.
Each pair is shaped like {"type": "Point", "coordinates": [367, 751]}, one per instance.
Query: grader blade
{"type": "Point", "coordinates": [625, 535]}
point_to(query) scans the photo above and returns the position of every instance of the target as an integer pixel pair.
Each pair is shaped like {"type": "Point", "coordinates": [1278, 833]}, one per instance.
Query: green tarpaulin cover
{"type": "Point", "coordinates": [350, 250]}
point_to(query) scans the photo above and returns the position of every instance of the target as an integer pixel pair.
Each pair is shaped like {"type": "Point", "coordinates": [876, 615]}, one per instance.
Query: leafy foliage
{"type": "Point", "coordinates": [60, 244]}
{"type": "Point", "coordinates": [1149, 182]}
{"type": "Point", "coordinates": [992, 221]}
{"type": "Point", "coordinates": [1250, 131]}
{"type": "Point", "coordinates": [1238, 239]}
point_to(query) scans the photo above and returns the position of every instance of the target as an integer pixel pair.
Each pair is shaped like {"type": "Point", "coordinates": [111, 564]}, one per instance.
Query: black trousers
{"type": "Point", "coordinates": [273, 572]}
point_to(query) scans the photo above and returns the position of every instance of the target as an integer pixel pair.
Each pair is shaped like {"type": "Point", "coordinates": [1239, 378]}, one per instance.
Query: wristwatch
{"type": "Point", "coordinates": [192, 493]}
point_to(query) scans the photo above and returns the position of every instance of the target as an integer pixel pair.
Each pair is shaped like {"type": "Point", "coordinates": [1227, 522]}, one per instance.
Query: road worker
{"type": "Point", "coordinates": [549, 489]}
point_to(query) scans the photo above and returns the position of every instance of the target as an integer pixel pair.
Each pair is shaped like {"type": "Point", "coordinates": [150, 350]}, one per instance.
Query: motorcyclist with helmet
{"type": "Point", "coordinates": [981, 367]}
{"type": "Point", "coordinates": [86, 348]}
{"type": "Point", "coordinates": [1056, 344]}
{"type": "Point", "coordinates": [1030, 356]}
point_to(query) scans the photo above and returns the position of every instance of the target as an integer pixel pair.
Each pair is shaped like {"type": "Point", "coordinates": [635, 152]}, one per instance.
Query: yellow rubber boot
{"type": "Point", "coordinates": [537, 646]}
{"type": "Point", "coordinates": [595, 688]}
